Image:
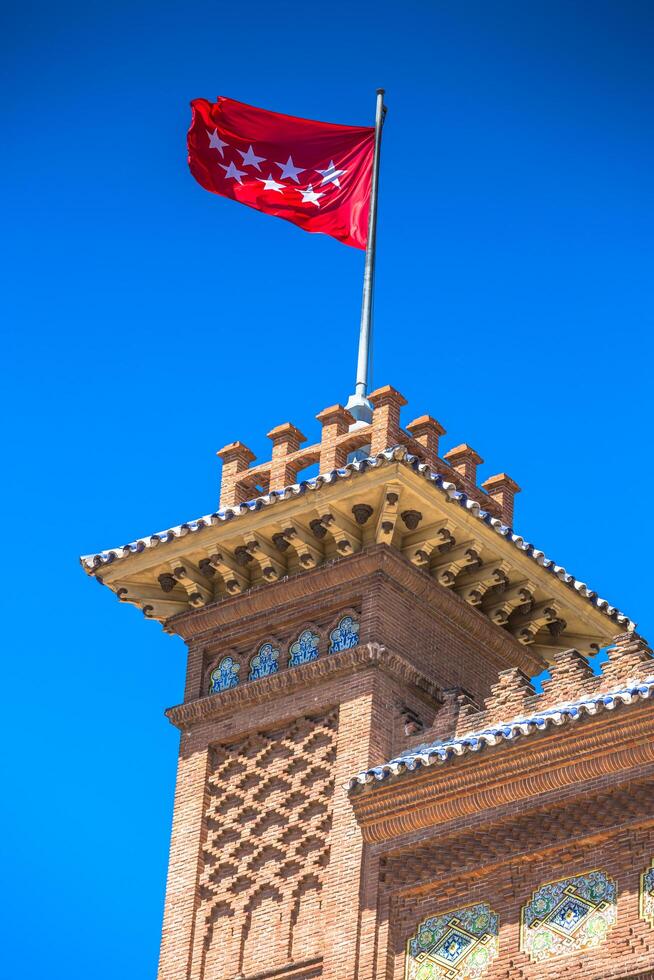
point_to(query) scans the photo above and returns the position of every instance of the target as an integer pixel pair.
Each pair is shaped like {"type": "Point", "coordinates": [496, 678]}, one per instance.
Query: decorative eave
{"type": "Point", "coordinates": [441, 752]}
{"type": "Point", "coordinates": [365, 656]}
{"type": "Point", "coordinates": [391, 498]}
{"type": "Point", "coordinates": [391, 802]}
{"type": "Point", "coordinates": [327, 585]}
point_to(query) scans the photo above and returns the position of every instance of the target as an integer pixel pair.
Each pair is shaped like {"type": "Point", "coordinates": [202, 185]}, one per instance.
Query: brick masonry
{"type": "Point", "coordinates": [277, 871]}
{"type": "Point", "coordinates": [273, 869]}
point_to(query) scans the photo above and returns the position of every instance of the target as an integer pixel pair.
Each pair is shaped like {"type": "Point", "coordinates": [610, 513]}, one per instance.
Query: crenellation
{"type": "Point", "coordinates": [502, 489]}
{"type": "Point", "coordinates": [336, 422]}
{"type": "Point", "coordinates": [464, 460]}
{"type": "Point", "coordinates": [571, 676]}
{"type": "Point", "coordinates": [456, 705]}
{"type": "Point", "coordinates": [629, 657]}
{"type": "Point", "coordinates": [235, 486]}
{"type": "Point", "coordinates": [341, 435]}
{"type": "Point", "coordinates": [386, 431]}
{"type": "Point", "coordinates": [286, 441]}
{"type": "Point", "coordinates": [427, 432]}
{"type": "Point", "coordinates": [509, 696]}
{"type": "Point", "coordinates": [514, 697]}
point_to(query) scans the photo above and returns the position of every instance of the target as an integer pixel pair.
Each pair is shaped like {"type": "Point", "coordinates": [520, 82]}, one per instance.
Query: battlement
{"type": "Point", "coordinates": [630, 660]}
{"type": "Point", "coordinates": [341, 436]}
{"type": "Point", "coordinates": [398, 492]}
{"type": "Point", "coordinates": [514, 710]}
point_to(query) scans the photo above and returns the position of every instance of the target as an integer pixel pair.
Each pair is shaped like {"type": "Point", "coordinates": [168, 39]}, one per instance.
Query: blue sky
{"type": "Point", "coordinates": [149, 323]}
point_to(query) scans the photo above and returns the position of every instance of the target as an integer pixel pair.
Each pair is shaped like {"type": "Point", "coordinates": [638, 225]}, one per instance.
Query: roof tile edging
{"type": "Point", "coordinates": [93, 562]}
{"type": "Point", "coordinates": [442, 752]}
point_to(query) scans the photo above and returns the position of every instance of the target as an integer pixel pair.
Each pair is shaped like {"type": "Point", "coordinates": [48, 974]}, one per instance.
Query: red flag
{"type": "Point", "coordinates": [315, 174]}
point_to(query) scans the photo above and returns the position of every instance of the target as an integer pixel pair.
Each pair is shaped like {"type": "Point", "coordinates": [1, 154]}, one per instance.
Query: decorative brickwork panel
{"type": "Point", "coordinates": [304, 650]}
{"type": "Point", "coordinates": [569, 916]}
{"type": "Point", "coordinates": [453, 946]}
{"type": "Point", "coordinates": [225, 675]}
{"type": "Point", "coordinates": [647, 894]}
{"type": "Point", "coordinates": [268, 817]}
{"type": "Point", "coordinates": [345, 635]}
{"type": "Point", "coordinates": [264, 662]}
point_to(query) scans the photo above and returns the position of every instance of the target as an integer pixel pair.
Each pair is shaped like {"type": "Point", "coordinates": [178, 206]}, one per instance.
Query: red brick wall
{"type": "Point", "coordinates": [269, 873]}
{"type": "Point", "coordinates": [232, 796]}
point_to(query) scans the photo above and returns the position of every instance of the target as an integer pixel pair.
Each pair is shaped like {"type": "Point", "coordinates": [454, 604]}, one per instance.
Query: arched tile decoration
{"type": "Point", "coordinates": [459, 944]}
{"type": "Point", "coordinates": [569, 916]}
{"type": "Point", "coordinates": [264, 662]}
{"type": "Point", "coordinates": [345, 635]}
{"type": "Point", "coordinates": [304, 650]}
{"type": "Point", "coordinates": [225, 675]}
{"type": "Point", "coordinates": [647, 894]}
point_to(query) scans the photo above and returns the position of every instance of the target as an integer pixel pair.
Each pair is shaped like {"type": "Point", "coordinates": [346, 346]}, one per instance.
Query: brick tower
{"type": "Point", "coordinates": [368, 787]}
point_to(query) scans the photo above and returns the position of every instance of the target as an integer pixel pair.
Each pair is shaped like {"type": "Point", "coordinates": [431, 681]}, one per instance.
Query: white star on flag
{"type": "Point", "coordinates": [215, 142]}
{"type": "Point", "coordinates": [233, 171]}
{"type": "Point", "coordinates": [309, 196]}
{"type": "Point", "coordinates": [250, 159]}
{"type": "Point", "coordinates": [290, 170]}
{"type": "Point", "coordinates": [331, 175]}
{"type": "Point", "coordinates": [270, 184]}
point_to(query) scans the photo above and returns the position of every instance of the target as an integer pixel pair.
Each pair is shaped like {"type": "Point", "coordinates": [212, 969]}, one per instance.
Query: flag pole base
{"type": "Point", "coordinates": [361, 409]}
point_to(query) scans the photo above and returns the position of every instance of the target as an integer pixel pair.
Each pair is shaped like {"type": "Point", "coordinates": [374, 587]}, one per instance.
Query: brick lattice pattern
{"type": "Point", "coordinates": [268, 817]}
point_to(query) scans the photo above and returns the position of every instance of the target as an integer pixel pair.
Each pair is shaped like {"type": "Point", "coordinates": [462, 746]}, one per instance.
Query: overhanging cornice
{"type": "Point", "coordinates": [391, 499]}
{"type": "Point", "coordinates": [352, 578]}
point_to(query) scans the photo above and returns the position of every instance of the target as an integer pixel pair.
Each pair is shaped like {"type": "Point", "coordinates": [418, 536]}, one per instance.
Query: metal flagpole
{"type": "Point", "coordinates": [358, 403]}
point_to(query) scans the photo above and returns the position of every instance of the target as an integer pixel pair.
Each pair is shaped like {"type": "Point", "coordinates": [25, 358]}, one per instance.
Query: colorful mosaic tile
{"type": "Point", "coordinates": [647, 894]}
{"type": "Point", "coordinates": [225, 675]}
{"type": "Point", "coordinates": [345, 635]}
{"type": "Point", "coordinates": [264, 662]}
{"type": "Point", "coordinates": [459, 944]}
{"type": "Point", "coordinates": [304, 649]}
{"type": "Point", "coordinates": [568, 916]}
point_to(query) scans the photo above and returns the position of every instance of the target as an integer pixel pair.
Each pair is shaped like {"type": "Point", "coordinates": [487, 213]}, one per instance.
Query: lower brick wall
{"type": "Point", "coordinates": [266, 858]}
